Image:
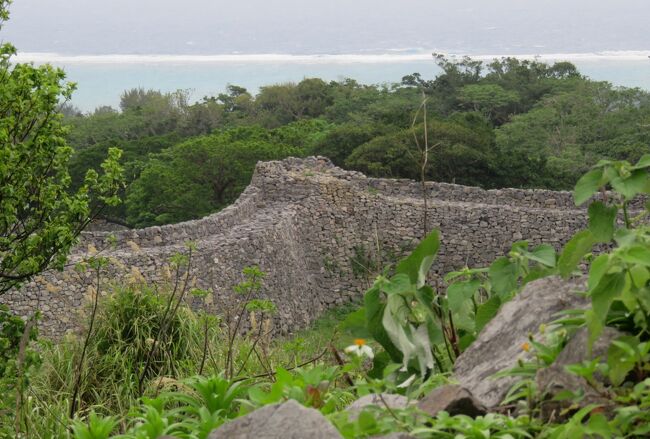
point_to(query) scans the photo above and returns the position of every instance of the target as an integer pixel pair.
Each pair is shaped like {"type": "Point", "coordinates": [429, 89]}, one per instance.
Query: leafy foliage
{"type": "Point", "coordinates": [39, 219]}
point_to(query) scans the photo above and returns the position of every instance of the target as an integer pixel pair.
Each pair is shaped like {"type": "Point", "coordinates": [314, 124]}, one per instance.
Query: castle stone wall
{"type": "Point", "coordinates": [305, 222]}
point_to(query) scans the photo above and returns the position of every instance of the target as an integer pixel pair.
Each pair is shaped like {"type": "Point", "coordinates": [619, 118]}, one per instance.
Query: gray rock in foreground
{"type": "Point", "coordinates": [499, 346]}
{"type": "Point", "coordinates": [576, 350]}
{"type": "Point", "coordinates": [386, 399]}
{"type": "Point", "coordinates": [553, 380]}
{"type": "Point", "coordinates": [453, 399]}
{"type": "Point", "coordinates": [288, 420]}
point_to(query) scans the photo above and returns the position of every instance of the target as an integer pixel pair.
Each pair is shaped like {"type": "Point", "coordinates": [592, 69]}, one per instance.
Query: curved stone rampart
{"type": "Point", "coordinates": [308, 225]}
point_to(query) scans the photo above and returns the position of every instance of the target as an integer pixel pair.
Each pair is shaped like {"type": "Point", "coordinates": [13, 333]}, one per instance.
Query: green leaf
{"type": "Point", "coordinates": [608, 289]}
{"type": "Point", "coordinates": [418, 263]}
{"type": "Point", "coordinates": [598, 425]}
{"type": "Point", "coordinates": [574, 251]}
{"type": "Point", "coordinates": [602, 220]}
{"type": "Point", "coordinates": [544, 254]}
{"type": "Point", "coordinates": [538, 273]}
{"type": "Point", "coordinates": [367, 421]}
{"type": "Point", "coordinates": [644, 162]}
{"type": "Point", "coordinates": [375, 309]}
{"type": "Point", "coordinates": [598, 268]}
{"type": "Point", "coordinates": [637, 254]}
{"type": "Point", "coordinates": [631, 186]}
{"type": "Point", "coordinates": [587, 185]}
{"type": "Point", "coordinates": [398, 284]}
{"type": "Point", "coordinates": [640, 276]}
{"type": "Point", "coordinates": [486, 312]}
{"type": "Point", "coordinates": [621, 358]}
{"type": "Point", "coordinates": [425, 296]}
{"type": "Point", "coordinates": [355, 324]}
{"type": "Point", "coordinates": [379, 363]}
{"type": "Point", "coordinates": [503, 276]}
{"type": "Point", "coordinates": [460, 292]}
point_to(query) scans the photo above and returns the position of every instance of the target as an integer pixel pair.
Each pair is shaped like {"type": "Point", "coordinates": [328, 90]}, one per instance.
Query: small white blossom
{"type": "Point", "coordinates": [360, 349]}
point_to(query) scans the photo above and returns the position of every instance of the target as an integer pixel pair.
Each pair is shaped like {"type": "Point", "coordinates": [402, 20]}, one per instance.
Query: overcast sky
{"type": "Point", "coordinates": [327, 26]}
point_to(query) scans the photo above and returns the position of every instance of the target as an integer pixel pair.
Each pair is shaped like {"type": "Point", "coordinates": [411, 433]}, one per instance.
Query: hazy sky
{"type": "Point", "coordinates": [326, 26]}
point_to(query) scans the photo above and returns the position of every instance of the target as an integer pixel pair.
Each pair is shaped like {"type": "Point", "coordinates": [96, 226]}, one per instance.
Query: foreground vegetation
{"type": "Point", "coordinates": [148, 365]}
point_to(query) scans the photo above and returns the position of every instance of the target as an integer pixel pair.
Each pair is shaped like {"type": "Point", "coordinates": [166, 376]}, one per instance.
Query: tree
{"type": "Point", "coordinates": [490, 99]}
{"type": "Point", "coordinates": [339, 142]}
{"type": "Point", "coordinates": [464, 153]}
{"type": "Point", "coordinates": [557, 141]}
{"type": "Point", "coordinates": [198, 177]}
{"type": "Point", "coordinates": [39, 219]}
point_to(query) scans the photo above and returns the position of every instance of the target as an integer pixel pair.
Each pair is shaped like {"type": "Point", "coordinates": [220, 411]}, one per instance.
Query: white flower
{"type": "Point", "coordinates": [360, 348]}
{"type": "Point", "coordinates": [407, 382]}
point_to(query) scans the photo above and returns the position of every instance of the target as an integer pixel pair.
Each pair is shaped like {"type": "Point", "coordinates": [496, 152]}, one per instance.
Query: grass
{"type": "Point", "coordinates": [127, 321]}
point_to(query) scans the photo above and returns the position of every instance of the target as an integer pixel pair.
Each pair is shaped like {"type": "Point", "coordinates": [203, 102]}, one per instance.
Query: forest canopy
{"type": "Point", "coordinates": [504, 123]}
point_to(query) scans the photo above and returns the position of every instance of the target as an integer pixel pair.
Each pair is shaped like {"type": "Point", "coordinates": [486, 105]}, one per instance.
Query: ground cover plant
{"type": "Point", "coordinates": [413, 335]}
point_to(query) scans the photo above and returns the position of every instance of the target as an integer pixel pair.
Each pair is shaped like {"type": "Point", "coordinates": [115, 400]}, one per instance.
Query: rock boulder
{"type": "Point", "coordinates": [500, 344]}
{"type": "Point", "coordinates": [288, 420]}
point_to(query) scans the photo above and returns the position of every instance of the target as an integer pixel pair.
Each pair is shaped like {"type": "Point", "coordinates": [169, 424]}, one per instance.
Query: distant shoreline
{"type": "Point", "coordinates": [380, 58]}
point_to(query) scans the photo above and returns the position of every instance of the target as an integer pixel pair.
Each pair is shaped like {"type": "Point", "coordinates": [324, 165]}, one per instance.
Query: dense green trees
{"type": "Point", "coordinates": [568, 132]}
{"type": "Point", "coordinates": [463, 151]}
{"type": "Point", "coordinates": [508, 122]}
{"type": "Point", "coordinates": [200, 176]}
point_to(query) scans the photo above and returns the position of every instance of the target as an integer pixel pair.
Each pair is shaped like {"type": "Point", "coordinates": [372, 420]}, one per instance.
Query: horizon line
{"type": "Point", "coordinates": [387, 57]}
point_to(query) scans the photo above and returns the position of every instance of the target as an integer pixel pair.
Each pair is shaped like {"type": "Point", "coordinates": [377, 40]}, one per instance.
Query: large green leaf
{"type": "Point", "coordinates": [631, 186]}
{"type": "Point", "coordinates": [425, 296]}
{"type": "Point", "coordinates": [503, 276]}
{"type": "Point", "coordinates": [486, 312]}
{"type": "Point", "coordinates": [375, 309]}
{"type": "Point", "coordinates": [398, 284]}
{"type": "Point", "coordinates": [608, 289]}
{"type": "Point", "coordinates": [355, 324]}
{"type": "Point", "coordinates": [587, 185]}
{"type": "Point", "coordinates": [598, 268]}
{"type": "Point", "coordinates": [621, 358]}
{"type": "Point", "coordinates": [640, 276]}
{"type": "Point", "coordinates": [418, 263]}
{"type": "Point", "coordinates": [574, 251]}
{"type": "Point", "coordinates": [544, 254]}
{"type": "Point", "coordinates": [638, 254]}
{"type": "Point", "coordinates": [644, 162]}
{"type": "Point", "coordinates": [379, 363]}
{"type": "Point", "coordinates": [602, 220]}
{"type": "Point", "coordinates": [460, 292]}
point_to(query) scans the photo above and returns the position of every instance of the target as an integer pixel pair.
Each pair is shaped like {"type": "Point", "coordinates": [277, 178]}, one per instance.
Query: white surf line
{"type": "Point", "coordinates": [274, 58]}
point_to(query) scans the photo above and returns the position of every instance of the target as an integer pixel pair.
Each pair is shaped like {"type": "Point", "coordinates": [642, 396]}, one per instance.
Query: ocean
{"type": "Point", "coordinates": [102, 78]}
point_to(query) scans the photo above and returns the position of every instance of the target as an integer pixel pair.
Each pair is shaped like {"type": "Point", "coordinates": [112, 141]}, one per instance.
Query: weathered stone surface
{"type": "Point", "coordinates": [499, 345]}
{"type": "Point", "coordinates": [555, 379]}
{"type": "Point", "coordinates": [288, 420]}
{"type": "Point", "coordinates": [301, 220]}
{"type": "Point", "coordinates": [576, 350]}
{"type": "Point", "coordinates": [391, 400]}
{"type": "Point", "coordinates": [453, 399]}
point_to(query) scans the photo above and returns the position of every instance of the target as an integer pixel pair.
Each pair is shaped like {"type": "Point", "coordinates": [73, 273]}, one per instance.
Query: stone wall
{"type": "Point", "coordinates": [305, 223]}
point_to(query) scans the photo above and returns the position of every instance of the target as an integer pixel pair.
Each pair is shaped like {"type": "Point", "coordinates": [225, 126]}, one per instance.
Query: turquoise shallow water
{"type": "Point", "coordinates": [102, 84]}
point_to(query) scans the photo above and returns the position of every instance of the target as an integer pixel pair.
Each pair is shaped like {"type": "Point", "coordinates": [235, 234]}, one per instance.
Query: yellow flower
{"type": "Point", "coordinates": [526, 346]}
